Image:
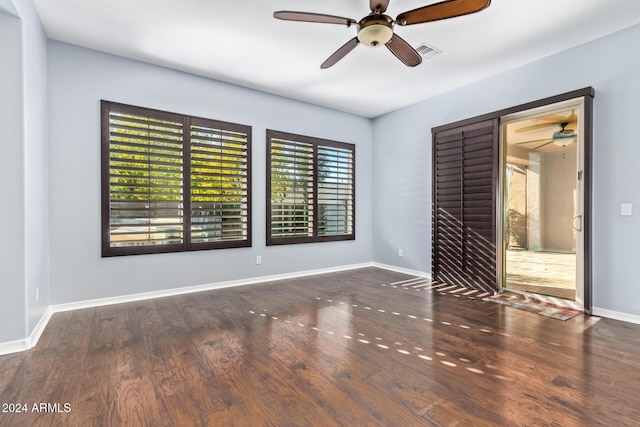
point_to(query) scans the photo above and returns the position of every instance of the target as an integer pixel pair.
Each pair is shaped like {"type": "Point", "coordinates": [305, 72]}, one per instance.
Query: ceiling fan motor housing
{"type": "Point", "coordinates": [375, 30]}
{"type": "Point", "coordinates": [563, 137]}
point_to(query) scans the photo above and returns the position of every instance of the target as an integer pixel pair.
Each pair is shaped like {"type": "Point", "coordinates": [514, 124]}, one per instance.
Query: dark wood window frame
{"type": "Point", "coordinates": [317, 147]}
{"type": "Point", "coordinates": [209, 163]}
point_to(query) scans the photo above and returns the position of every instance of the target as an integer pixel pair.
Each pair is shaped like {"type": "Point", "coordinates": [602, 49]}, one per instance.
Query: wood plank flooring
{"type": "Point", "coordinates": [354, 348]}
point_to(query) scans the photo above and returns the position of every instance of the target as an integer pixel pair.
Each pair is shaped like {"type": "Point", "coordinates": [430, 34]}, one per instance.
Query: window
{"type": "Point", "coordinates": [310, 189]}
{"type": "Point", "coordinates": [173, 183]}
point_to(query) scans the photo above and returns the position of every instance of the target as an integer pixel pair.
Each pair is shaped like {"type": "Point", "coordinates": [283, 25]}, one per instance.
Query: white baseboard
{"type": "Point", "coordinates": [13, 347]}
{"type": "Point", "coordinates": [32, 340]}
{"type": "Point", "coordinates": [199, 288]}
{"type": "Point", "coordinates": [29, 342]}
{"type": "Point", "coordinates": [616, 315]}
{"type": "Point", "coordinates": [402, 270]}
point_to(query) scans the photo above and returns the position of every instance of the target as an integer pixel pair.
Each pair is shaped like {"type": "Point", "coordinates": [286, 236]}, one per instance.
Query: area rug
{"type": "Point", "coordinates": [526, 303]}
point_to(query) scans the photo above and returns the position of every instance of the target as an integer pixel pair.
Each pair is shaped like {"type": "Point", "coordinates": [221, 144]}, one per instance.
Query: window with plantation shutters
{"type": "Point", "coordinates": [310, 189]}
{"type": "Point", "coordinates": [172, 182]}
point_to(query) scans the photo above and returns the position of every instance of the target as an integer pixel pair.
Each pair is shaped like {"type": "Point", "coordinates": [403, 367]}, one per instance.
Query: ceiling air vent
{"type": "Point", "coordinates": [427, 51]}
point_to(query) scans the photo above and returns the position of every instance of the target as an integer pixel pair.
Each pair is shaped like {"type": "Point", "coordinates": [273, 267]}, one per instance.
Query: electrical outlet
{"type": "Point", "coordinates": [37, 295]}
{"type": "Point", "coordinates": [626, 209]}
{"type": "Point", "coordinates": [400, 253]}
{"type": "Point", "coordinates": [258, 260]}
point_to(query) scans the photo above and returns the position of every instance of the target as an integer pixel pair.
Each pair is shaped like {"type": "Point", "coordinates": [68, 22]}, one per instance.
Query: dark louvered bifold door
{"type": "Point", "coordinates": [465, 179]}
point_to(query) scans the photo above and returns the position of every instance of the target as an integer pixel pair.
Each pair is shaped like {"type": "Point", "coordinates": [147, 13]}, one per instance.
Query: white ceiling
{"type": "Point", "coordinates": [240, 42]}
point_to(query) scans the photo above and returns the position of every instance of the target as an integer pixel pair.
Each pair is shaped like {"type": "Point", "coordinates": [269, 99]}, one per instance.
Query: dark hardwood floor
{"type": "Point", "coordinates": [329, 350]}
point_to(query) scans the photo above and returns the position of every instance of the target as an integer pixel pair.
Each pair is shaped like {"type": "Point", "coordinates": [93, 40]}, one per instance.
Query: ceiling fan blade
{"type": "Point", "coordinates": [443, 10]}
{"type": "Point", "coordinates": [535, 127]}
{"type": "Point", "coordinates": [341, 53]}
{"type": "Point", "coordinates": [379, 6]}
{"type": "Point", "coordinates": [543, 145]}
{"type": "Point", "coordinates": [288, 15]}
{"type": "Point", "coordinates": [557, 118]}
{"type": "Point", "coordinates": [535, 140]}
{"type": "Point", "coordinates": [403, 51]}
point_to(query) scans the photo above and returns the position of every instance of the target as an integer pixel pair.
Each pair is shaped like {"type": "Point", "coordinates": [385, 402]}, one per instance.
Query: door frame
{"type": "Point", "coordinates": [576, 104]}
{"type": "Point", "coordinates": [587, 94]}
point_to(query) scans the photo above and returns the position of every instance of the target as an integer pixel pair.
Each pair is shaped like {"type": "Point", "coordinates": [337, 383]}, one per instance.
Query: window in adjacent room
{"type": "Point", "coordinates": [310, 189]}
{"type": "Point", "coordinates": [172, 182]}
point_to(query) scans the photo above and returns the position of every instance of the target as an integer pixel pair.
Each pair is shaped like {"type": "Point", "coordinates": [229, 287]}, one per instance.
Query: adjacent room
{"type": "Point", "coordinates": [541, 192]}
{"type": "Point", "coordinates": [341, 213]}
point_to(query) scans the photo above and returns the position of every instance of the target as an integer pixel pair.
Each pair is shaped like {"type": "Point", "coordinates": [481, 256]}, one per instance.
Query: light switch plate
{"type": "Point", "coordinates": [626, 209]}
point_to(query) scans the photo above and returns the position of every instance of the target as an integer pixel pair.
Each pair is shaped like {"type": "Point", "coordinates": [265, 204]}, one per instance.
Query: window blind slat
{"type": "Point", "coordinates": [140, 140]}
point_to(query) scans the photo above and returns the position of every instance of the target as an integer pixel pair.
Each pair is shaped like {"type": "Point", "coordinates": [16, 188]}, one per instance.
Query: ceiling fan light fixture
{"type": "Point", "coordinates": [375, 34]}
{"type": "Point", "coordinates": [563, 138]}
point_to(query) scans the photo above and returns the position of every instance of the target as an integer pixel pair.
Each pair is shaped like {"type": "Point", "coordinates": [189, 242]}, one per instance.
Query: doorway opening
{"type": "Point", "coordinates": [541, 203]}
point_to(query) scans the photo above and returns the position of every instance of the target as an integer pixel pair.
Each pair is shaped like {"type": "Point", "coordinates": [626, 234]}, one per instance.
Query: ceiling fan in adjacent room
{"type": "Point", "coordinates": [376, 29]}
{"type": "Point", "coordinates": [561, 138]}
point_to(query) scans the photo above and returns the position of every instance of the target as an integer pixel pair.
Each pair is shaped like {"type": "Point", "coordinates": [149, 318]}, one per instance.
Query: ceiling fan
{"type": "Point", "coordinates": [552, 120]}
{"type": "Point", "coordinates": [376, 29]}
{"type": "Point", "coordinates": [561, 138]}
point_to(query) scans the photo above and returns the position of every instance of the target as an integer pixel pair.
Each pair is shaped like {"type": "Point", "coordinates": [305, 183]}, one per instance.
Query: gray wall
{"type": "Point", "coordinates": [613, 72]}
{"type": "Point", "coordinates": [24, 245]}
{"type": "Point", "coordinates": [78, 79]}
{"type": "Point", "coordinates": [36, 166]}
{"type": "Point", "coordinates": [12, 245]}
{"type": "Point", "coordinates": [8, 7]}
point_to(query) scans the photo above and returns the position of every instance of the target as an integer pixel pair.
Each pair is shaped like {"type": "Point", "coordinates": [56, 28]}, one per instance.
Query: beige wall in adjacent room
{"type": "Point", "coordinates": [542, 200]}
{"type": "Point", "coordinates": [558, 188]}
